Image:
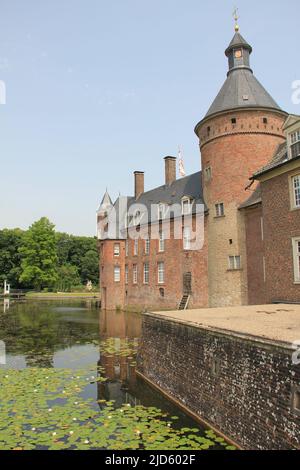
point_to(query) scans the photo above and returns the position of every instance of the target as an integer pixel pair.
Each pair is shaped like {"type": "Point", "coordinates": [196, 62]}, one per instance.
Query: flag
{"type": "Point", "coordinates": [181, 164]}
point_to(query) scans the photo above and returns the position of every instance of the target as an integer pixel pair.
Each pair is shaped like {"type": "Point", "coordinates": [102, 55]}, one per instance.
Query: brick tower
{"type": "Point", "coordinates": [238, 135]}
{"type": "Point", "coordinates": [112, 258]}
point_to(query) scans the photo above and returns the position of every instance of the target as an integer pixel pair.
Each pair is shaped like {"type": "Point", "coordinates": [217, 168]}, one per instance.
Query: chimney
{"type": "Point", "coordinates": [170, 170]}
{"type": "Point", "coordinates": [138, 183]}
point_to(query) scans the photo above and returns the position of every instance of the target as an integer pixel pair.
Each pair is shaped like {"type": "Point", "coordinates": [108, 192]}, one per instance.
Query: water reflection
{"type": "Point", "coordinates": [119, 333]}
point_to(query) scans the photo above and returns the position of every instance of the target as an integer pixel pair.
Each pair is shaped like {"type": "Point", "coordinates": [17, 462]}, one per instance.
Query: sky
{"type": "Point", "coordinates": [98, 89]}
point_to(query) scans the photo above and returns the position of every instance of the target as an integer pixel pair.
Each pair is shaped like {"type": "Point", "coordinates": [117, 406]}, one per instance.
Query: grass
{"type": "Point", "coordinates": [41, 295]}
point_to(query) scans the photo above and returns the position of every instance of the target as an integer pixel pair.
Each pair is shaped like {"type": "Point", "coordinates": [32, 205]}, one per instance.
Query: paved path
{"type": "Point", "coordinates": [272, 322]}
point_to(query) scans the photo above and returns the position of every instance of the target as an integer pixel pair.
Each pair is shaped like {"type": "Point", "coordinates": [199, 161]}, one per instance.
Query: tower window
{"type": "Point", "coordinates": [265, 120]}
{"type": "Point", "coordinates": [233, 121]}
{"type": "Point", "coordinates": [208, 130]}
{"type": "Point", "coordinates": [220, 210]}
{"type": "Point", "coordinates": [208, 173]}
{"type": "Point", "coordinates": [234, 263]}
{"type": "Point", "coordinates": [117, 249]}
{"type": "Point", "coordinates": [117, 273]}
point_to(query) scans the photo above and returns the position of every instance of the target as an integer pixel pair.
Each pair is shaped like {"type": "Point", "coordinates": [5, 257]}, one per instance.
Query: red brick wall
{"type": "Point", "coordinates": [281, 224]}
{"type": "Point", "coordinates": [112, 293]}
{"type": "Point", "coordinates": [255, 254]}
{"type": "Point", "coordinates": [236, 151]}
{"type": "Point", "coordinates": [177, 262]}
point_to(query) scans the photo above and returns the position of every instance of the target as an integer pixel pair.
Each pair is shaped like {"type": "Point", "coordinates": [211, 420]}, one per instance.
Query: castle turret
{"type": "Point", "coordinates": [238, 135]}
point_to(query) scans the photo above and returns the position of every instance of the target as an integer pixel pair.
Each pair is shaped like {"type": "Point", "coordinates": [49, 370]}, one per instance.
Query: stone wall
{"type": "Point", "coordinates": [242, 386]}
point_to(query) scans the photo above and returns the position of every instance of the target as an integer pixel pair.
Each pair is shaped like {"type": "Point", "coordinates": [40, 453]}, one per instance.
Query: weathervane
{"type": "Point", "coordinates": [236, 18]}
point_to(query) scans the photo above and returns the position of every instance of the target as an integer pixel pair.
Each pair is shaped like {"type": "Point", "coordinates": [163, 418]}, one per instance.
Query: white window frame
{"type": "Point", "coordinates": [161, 272]}
{"type": "Point", "coordinates": [186, 238]}
{"type": "Point", "coordinates": [117, 250]}
{"type": "Point", "coordinates": [135, 274]}
{"type": "Point", "coordinates": [126, 247]}
{"type": "Point", "coordinates": [296, 191]}
{"type": "Point", "coordinates": [135, 247]}
{"type": "Point", "coordinates": [147, 245]}
{"type": "Point", "coordinates": [117, 274]}
{"type": "Point", "coordinates": [237, 262]}
{"type": "Point", "coordinates": [126, 274]}
{"type": "Point", "coordinates": [161, 242]}
{"type": "Point", "coordinates": [186, 202]}
{"type": "Point", "coordinates": [296, 259]}
{"type": "Point", "coordinates": [146, 275]}
{"type": "Point", "coordinates": [162, 210]}
{"type": "Point", "coordinates": [295, 136]}
{"type": "Point", "coordinates": [220, 210]}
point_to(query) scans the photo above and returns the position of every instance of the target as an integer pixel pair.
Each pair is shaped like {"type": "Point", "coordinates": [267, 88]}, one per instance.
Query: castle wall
{"type": "Point", "coordinates": [233, 152]}
{"type": "Point", "coordinates": [242, 386]}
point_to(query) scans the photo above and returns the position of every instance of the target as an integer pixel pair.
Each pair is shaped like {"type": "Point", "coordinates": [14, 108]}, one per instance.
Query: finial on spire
{"type": "Point", "coordinates": [236, 18]}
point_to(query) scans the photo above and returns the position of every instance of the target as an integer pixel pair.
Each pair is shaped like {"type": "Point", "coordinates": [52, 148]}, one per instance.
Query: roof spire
{"type": "Point", "coordinates": [236, 18]}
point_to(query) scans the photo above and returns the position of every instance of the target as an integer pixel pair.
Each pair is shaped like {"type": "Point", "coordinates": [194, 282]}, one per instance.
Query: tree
{"type": "Point", "coordinates": [90, 267]}
{"type": "Point", "coordinates": [10, 259]}
{"type": "Point", "coordinates": [39, 255]}
{"type": "Point", "coordinates": [68, 277]}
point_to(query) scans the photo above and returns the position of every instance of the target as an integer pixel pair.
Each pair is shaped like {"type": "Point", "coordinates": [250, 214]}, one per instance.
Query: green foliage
{"type": "Point", "coordinates": [43, 259]}
{"type": "Point", "coordinates": [68, 277]}
{"type": "Point", "coordinates": [45, 409]}
{"type": "Point", "coordinates": [39, 255]}
{"type": "Point", "coordinates": [10, 258]}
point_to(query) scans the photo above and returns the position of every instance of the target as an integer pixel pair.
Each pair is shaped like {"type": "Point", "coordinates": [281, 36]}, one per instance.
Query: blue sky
{"type": "Point", "coordinates": [97, 89]}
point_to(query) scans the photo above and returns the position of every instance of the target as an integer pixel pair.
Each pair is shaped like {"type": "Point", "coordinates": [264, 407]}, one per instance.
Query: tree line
{"type": "Point", "coordinates": [41, 258]}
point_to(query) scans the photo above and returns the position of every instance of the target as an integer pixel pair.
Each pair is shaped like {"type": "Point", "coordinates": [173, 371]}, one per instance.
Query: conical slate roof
{"type": "Point", "coordinates": [106, 202]}
{"type": "Point", "coordinates": [237, 41]}
{"type": "Point", "coordinates": [241, 89]}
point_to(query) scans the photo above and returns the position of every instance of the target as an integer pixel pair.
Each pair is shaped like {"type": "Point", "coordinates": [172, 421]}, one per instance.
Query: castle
{"type": "Point", "coordinates": [247, 197]}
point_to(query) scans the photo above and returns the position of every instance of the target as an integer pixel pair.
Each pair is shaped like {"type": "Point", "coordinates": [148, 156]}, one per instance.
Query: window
{"type": "Point", "coordinates": [161, 292]}
{"type": "Point", "coordinates": [161, 244]}
{"type": "Point", "coordinates": [137, 218]}
{"type": "Point", "coordinates": [296, 400]}
{"type": "Point", "coordinates": [134, 274]}
{"type": "Point", "coordinates": [220, 210]}
{"type": "Point", "coordinates": [233, 121]}
{"type": "Point", "coordinates": [117, 273]}
{"type": "Point", "coordinates": [234, 262]}
{"type": "Point", "coordinates": [187, 238]}
{"type": "Point", "coordinates": [208, 173]}
{"type": "Point", "coordinates": [126, 247]}
{"type": "Point", "coordinates": [147, 246]}
{"type": "Point", "coordinates": [161, 272]}
{"type": "Point", "coordinates": [265, 120]}
{"type": "Point", "coordinates": [186, 204]}
{"type": "Point", "coordinates": [296, 257]}
{"type": "Point", "coordinates": [126, 274]}
{"type": "Point", "coordinates": [117, 249]}
{"type": "Point", "coordinates": [146, 273]}
{"type": "Point", "coordinates": [295, 144]}
{"type": "Point", "coordinates": [162, 211]}
{"type": "Point", "coordinates": [136, 247]}
{"type": "Point", "coordinates": [296, 191]}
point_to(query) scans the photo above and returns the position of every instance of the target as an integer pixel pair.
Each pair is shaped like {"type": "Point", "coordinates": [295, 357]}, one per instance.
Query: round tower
{"type": "Point", "coordinates": [238, 135]}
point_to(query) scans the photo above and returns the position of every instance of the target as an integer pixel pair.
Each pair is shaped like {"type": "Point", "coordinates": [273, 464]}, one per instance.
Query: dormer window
{"type": "Point", "coordinates": [162, 210]}
{"type": "Point", "coordinates": [137, 218]}
{"type": "Point", "coordinates": [295, 143]}
{"type": "Point", "coordinates": [186, 205]}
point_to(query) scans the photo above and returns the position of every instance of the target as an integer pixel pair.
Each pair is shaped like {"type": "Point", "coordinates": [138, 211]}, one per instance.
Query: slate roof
{"type": "Point", "coordinates": [241, 88]}
{"type": "Point", "coordinates": [241, 83]}
{"type": "Point", "coordinates": [254, 199]}
{"type": "Point", "coordinates": [237, 41]}
{"type": "Point", "coordinates": [280, 157]}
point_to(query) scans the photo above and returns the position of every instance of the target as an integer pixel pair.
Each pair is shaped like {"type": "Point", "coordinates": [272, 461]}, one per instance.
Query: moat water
{"type": "Point", "coordinates": [68, 380]}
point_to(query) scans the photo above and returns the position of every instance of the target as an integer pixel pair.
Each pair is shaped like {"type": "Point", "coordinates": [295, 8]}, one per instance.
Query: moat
{"type": "Point", "coordinates": [69, 382]}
